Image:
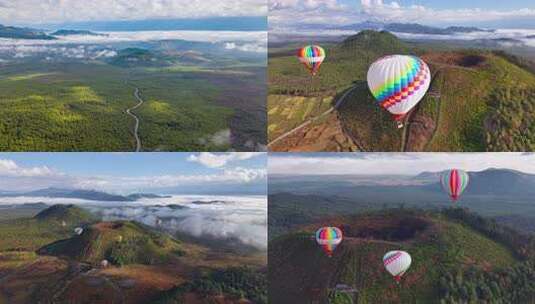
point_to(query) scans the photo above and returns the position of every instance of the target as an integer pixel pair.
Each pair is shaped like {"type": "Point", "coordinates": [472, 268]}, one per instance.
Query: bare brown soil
{"type": "Point", "coordinates": [457, 59]}
{"type": "Point", "coordinates": [319, 136]}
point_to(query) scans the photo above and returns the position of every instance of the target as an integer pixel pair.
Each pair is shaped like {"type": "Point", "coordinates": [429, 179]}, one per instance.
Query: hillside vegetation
{"type": "Point", "coordinates": [81, 106]}
{"type": "Point", "coordinates": [232, 285]}
{"type": "Point", "coordinates": [457, 257]}
{"type": "Point", "coordinates": [29, 234]}
{"type": "Point", "coordinates": [121, 243]}
{"type": "Point", "coordinates": [43, 260]}
{"type": "Point", "coordinates": [479, 100]}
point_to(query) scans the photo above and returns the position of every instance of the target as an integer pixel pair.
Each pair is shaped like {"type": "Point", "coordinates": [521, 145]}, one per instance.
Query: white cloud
{"type": "Point", "coordinates": [8, 168]}
{"type": "Point", "coordinates": [285, 14]}
{"type": "Point", "coordinates": [393, 11]}
{"type": "Point", "coordinates": [113, 184]}
{"type": "Point", "coordinates": [219, 160]}
{"type": "Point", "coordinates": [19, 178]}
{"type": "Point", "coordinates": [241, 218]}
{"type": "Point", "coordinates": [397, 163]}
{"type": "Point", "coordinates": [57, 11]}
{"type": "Point", "coordinates": [83, 46]}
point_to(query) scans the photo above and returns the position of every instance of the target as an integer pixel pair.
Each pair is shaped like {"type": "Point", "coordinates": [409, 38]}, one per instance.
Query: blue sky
{"type": "Point", "coordinates": [252, 23]}
{"type": "Point", "coordinates": [127, 172]}
{"type": "Point", "coordinates": [493, 13]}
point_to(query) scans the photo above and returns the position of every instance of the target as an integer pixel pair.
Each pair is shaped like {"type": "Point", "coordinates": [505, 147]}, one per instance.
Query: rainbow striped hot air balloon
{"type": "Point", "coordinates": [397, 263]}
{"type": "Point", "coordinates": [454, 182]}
{"type": "Point", "coordinates": [328, 238]}
{"type": "Point", "coordinates": [399, 82]}
{"type": "Point", "coordinates": [312, 56]}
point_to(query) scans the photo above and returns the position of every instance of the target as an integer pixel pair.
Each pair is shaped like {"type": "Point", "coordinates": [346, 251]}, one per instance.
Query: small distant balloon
{"type": "Point", "coordinates": [312, 56]}
{"type": "Point", "coordinates": [329, 238]}
{"type": "Point", "coordinates": [78, 230]}
{"type": "Point", "coordinates": [399, 83]}
{"type": "Point", "coordinates": [397, 263]}
{"type": "Point", "coordinates": [454, 182]}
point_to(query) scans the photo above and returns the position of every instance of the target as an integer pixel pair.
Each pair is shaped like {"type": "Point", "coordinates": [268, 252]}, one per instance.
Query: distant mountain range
{"type": "Point", "coordinates": [491, 190]}
{"type": "Point", "coordinates": [75, 32]}
{"type": "Point", "coordinates": [409, 28]}
{"type": "Point", "coordinates": [23, 33]}
{"type": "Point", "coordinates": [82, 194]}
{"type": "Point", "coordinates": [38, 34]}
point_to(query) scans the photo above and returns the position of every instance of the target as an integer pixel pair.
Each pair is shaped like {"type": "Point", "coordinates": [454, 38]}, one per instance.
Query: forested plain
{"type": "Point", "coordinates": [80, 106]}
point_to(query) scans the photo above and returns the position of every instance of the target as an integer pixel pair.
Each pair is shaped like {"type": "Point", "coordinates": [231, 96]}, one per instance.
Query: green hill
{"type": "Point", "coordinates": [345, 63]}
{"type": "Point", "coordinates": [69, 214]}
{"type": "Point", "coordinates": [457, 257]}
{"type": "Point", "coordinates": [51, 224]}
{"type": "Point", "coordinates": [374, 43]}
{"type": "Point", "coordinates": [135, 57]}
{"type": "Point", "coordinates": [120, 243]}
{"type": "Point", "coordinates": [479, 100]}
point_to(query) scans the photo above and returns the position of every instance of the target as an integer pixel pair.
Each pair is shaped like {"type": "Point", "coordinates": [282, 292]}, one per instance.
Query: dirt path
{"type": "Point", "coordinates": [337, 105]}
{"type": "Point", "coordinates": [407, 129]}
{"type": "Point", "coordinates": [136, 127]}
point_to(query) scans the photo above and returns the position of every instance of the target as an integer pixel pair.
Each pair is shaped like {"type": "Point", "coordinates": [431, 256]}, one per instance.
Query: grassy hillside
{"type": "Point", "coordinates": [344, 64]}
{"type": "Point", "coordinates": [43, 260]}
{"type": "Point", "coordinates": [479, 100]}
{"type": "Point", "coordinates": [121, 243]}
{"type": "Point", "coordinates": [457, 257]}
{"type": "Point", "coordinates": [49, 225]}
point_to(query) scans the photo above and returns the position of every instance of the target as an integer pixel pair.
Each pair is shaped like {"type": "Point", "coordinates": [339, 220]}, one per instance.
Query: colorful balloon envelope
{"type": "Point", "coordinates": [454, 182]}
{"type": "Point", "coordinates": [397, 263]}
{"type": "Point", "coordinates": [399, 82]}
{"type": "Point", "coordinates": [312, 57]}
{"type": "Point", "coordinates": [329, 238]}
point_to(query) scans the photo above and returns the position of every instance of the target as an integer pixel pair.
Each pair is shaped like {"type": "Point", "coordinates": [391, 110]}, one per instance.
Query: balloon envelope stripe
{"type": "Point", "coordinates": [311, 56]}
{"type": "Point", "coordinates": [454, 182]}
{"type": "Point", "coordinates": [388, 88]}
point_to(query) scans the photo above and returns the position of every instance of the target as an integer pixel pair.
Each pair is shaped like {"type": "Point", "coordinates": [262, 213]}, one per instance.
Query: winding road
{"type": "Point", "coordinates": [136, 127]}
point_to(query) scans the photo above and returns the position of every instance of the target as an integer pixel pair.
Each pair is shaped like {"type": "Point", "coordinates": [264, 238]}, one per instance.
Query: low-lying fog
{"type": "Point", "coordinates": [241, 218]}
{"type": "Point", "coordinates": [107, 44]}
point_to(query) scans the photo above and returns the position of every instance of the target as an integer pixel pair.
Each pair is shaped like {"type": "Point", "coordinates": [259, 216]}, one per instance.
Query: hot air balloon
{"type": "Point", "coordinates": [454, 182]}
{"type": "Point", "coordinates": [328, 238]}
{"type": "Point", "coordinates": [312, 56]}
{"type": "Point", "coordinates": [399, 82]}
{"type": "Point", "coordinates": [78, 230]}
{"type": "Point", "coordinates": [397, 263]}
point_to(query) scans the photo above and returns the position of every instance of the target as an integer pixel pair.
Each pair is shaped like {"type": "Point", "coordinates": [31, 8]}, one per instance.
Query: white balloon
{"type": "Point", "coordinates": [399, 82]}
{"type": "Point", "coordinates": [397, 263]}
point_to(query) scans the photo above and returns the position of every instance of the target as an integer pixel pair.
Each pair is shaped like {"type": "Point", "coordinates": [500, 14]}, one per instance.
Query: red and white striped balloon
{"type": "Point", "coordinates": [397, 263]}
{"type": "Point", "coordinates": [454, 182]}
